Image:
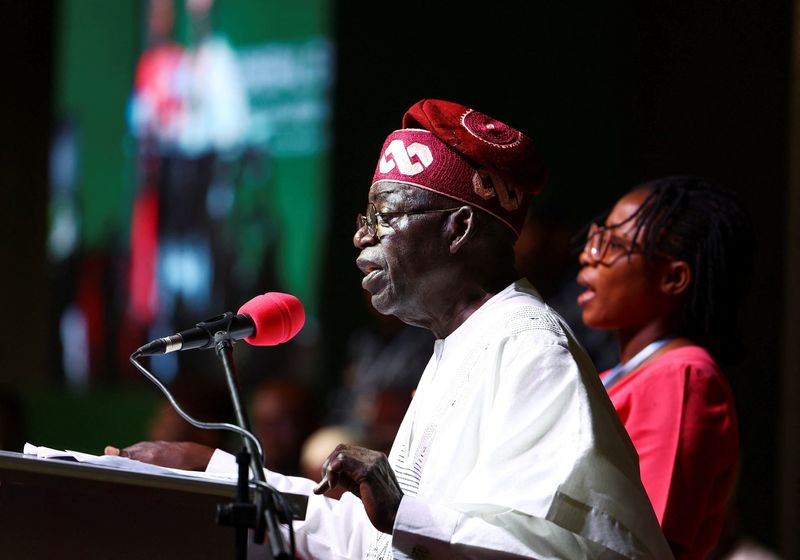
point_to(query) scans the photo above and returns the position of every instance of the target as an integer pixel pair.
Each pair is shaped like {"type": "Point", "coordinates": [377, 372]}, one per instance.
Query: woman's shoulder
{"type": "Point", "coordinates": [689, 356]}
{"type": "Point", "coordinates": [678, 368]}
{"type": "Point", "coordinates": [686, 378]}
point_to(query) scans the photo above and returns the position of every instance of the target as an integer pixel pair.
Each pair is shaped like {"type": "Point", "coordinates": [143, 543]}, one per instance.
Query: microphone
{"type": "Point", "coordinates": [266, 320]}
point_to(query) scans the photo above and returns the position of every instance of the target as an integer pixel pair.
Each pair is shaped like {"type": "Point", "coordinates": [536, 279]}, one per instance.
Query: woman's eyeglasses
{"type": "Point", "coordinates": [603, 247]}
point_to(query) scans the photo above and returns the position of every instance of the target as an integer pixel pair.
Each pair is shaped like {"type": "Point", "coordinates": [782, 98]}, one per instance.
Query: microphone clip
{"type": "Point", "coordinates": [218, 330]}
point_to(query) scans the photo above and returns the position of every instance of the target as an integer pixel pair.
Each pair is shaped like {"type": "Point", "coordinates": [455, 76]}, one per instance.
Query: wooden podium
{"type": "Point", "coordinates": [51, 508]}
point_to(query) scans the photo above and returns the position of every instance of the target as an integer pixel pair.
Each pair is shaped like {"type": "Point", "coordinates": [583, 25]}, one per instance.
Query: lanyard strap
{"type": "Point", "coordinates": [621, 370]}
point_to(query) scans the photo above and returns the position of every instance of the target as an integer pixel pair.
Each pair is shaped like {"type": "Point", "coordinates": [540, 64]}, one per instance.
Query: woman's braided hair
{"type": "Point", "coordinates": [690, 218]}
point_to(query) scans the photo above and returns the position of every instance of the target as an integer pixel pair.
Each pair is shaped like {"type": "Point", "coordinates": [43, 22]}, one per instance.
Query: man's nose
{"type": "Point", "coordinates": [363, 238]}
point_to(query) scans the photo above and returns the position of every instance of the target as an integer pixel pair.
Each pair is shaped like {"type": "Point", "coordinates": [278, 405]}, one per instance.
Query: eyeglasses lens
{"type": "Point", "coordinates": [372, 219]}
{"type": "Point", "coordinates": [368, 219]}
{"type": "Point", "coordinates": [596, 242]}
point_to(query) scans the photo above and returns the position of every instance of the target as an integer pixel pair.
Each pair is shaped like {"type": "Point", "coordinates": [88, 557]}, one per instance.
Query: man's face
{"type": "Point", "coordinates": [400, 261]}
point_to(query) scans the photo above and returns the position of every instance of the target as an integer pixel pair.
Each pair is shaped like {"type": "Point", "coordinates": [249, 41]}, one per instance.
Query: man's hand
{"type": "Point", "coordinates": [174, 454]}
{"type": "Point", "coordinates": [366, 474]}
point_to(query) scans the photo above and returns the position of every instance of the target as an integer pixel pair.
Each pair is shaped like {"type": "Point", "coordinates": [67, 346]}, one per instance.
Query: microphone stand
{"type": "Point", "coordinates": [240, 513]}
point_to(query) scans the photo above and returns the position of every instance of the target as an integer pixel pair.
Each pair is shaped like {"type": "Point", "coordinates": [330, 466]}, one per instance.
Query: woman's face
{"type": "Point", "coordinates": [622, 290]}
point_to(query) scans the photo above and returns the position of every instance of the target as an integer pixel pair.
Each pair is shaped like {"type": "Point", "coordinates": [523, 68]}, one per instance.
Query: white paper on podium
{"type": "Point", "coordinates": [121, 463]}
{"type": "Point", "coordinates": [298, 503]}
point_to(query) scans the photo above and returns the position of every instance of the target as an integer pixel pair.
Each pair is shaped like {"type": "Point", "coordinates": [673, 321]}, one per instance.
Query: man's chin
{"type": "Point", "coordinates": [382, 303]}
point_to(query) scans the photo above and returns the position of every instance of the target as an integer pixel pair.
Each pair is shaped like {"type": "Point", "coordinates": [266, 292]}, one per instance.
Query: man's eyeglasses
{"type": "Point", "coordinates": [603, 247]}
{"type": "Point", "coordinates": [372, 218]}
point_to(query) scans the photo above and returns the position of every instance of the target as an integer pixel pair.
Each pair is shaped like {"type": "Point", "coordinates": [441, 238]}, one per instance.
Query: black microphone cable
{"type": "Point", "coordinates": [198, 424]}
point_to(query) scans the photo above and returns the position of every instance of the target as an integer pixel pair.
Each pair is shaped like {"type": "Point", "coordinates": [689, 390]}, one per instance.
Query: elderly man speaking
{"type": "Point", "coordinates": [510, 448]}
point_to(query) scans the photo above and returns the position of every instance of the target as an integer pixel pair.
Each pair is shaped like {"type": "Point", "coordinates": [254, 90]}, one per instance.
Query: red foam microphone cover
{"type": "Point", "coordinates": [277, 318]}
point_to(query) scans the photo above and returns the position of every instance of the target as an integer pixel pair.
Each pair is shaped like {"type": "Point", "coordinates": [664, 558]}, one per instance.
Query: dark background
{"type": "Point", "coordinates": [613, 93]}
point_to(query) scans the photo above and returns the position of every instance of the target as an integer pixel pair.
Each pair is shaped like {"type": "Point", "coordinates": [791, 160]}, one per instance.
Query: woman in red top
{"type": "Point", "coordinates": [666, 270]}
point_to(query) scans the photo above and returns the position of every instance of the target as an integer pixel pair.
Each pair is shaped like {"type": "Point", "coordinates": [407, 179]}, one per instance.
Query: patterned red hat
{"type": "Point", "coordinates": [466, 155]}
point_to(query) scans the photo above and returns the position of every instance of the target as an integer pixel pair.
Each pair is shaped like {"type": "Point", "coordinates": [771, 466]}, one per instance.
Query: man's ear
{"type": "Point", "coordinates": [676, 278]}
{"type": "Point", "coordinates": [461, 226]}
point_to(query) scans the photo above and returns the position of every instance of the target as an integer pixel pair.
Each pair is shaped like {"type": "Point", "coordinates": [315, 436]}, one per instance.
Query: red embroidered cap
{"type": "Point", "coordinates": [466, 155]}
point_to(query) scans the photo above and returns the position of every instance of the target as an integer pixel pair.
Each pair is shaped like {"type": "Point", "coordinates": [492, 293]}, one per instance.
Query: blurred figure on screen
{"type": "Point", "coordinates": [189, 113]}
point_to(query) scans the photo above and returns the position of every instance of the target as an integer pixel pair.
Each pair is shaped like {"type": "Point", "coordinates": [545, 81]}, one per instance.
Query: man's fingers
{"type": "Point", "coordinates": [338, 469]}
{"type": "Point", "coordinates": [323, 486]}
{"type": "Point", "coordinates": [116, 451]}
{"type": "Point", "coordinates": [328, 480]}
